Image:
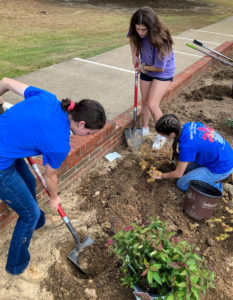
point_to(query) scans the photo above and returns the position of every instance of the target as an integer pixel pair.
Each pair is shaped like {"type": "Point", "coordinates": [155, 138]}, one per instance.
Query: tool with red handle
{"type": "Point", "coordinates": [73, 255]}
{"type": "Point", "coordinates": [134, 136]}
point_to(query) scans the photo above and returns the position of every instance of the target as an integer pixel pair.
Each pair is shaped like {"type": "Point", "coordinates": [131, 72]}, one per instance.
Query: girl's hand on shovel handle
{"type": "Point", "coordinates": [54, 202]}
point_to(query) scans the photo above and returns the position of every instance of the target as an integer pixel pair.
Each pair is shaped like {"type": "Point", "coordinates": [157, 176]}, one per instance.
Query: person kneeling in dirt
{"type": "Point", "coordinates": [39, 125]}
{"type": "Point", "coordinates": [203, 153]}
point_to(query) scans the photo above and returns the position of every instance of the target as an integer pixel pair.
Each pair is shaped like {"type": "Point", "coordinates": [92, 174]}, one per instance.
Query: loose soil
{"type": "Point", "coordinates": [116, 194]}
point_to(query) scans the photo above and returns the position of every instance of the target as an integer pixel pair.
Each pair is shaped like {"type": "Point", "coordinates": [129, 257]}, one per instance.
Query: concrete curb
{"type": "Point", "coordinates": [86, 151]}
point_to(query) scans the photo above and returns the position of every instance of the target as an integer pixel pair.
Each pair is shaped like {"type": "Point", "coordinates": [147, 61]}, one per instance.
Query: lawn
{"type": "Point", "coordinates": [36, 34]}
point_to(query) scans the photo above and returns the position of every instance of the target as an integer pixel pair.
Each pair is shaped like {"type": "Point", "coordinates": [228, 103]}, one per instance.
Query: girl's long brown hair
{"type": "Point", "coordinates": [159, 34]}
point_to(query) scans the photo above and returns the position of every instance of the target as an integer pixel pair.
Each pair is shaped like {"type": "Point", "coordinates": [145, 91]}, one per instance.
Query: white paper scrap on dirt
{"type": "Point", "coordinates": [112, 156]}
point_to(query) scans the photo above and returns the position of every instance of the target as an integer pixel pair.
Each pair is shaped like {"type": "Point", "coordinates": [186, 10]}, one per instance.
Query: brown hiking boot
{"type": "Point", "coordinates": [32, 274]}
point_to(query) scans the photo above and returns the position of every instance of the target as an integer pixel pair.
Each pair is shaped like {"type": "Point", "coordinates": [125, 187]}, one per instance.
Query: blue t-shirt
{"type": "Point", "coordinates": [201, 144]}
{"type": "Point", "coordinates": [35, 126]}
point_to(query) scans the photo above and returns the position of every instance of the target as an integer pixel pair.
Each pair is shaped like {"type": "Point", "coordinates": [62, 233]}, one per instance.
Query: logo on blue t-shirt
{"type": "Point", "coordinates": [209, 133]}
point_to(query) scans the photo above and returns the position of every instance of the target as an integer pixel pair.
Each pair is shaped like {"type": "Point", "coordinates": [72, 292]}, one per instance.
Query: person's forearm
{"type": "Point", "coordinates": [171, 175]}
{"type": "Point", "coordinates": [152, 69]}
{"type": "Point", "coordinates": [3, 87]}
{"type": "Point", "coordinates": [51, 184]}
{"type": "Point", "coordinates": [8, 84]}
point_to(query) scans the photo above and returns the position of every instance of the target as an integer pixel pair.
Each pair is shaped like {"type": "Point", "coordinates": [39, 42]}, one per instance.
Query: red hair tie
{"type": "Point", "coordinates": [71, 106]}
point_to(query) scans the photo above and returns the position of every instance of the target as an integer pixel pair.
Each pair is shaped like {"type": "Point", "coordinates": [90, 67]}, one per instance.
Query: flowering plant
{"type": "Point", "coordinates": [155, 260]}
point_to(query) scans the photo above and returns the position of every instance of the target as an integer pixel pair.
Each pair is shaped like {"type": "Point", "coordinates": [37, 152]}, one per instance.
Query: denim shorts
{"type": "Point", "coordinates": [146, 77]}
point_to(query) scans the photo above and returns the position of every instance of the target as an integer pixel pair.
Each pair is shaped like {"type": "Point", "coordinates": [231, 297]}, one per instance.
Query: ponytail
{"type": "Point", "coordinates": [90, 111]}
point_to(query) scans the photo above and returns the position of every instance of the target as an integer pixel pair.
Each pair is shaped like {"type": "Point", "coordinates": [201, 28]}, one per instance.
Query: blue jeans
{"type": "Point", "coordinates": [18, 190]}
{"type": "Point", "coordinates": [196, 172]}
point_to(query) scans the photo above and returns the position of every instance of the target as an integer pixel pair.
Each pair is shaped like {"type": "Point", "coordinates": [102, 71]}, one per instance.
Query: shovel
{"type": "Point", "coordinates": [134, 136]}
{"type": "Point", "coordinates": [210, 49]}
{"type": "Point", "coordinates": [211, 55]}
{"type": "Point", "coordinates": [73, 255]}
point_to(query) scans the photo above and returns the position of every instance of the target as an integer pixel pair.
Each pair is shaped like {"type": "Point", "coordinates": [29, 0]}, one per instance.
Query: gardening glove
{"type": "Point", "coordinates": [141, 68]}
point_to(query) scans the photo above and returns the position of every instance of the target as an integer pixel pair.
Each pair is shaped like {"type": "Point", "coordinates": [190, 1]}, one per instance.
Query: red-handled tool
{"type": "Point", "coordinates": [134, 136]}
{"type": "Point", "coordinates": [73, 255]}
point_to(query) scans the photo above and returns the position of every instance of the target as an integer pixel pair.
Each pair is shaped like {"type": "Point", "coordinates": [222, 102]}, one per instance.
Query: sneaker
{"type": "Point", "coordinates": [228, 188]}
{"type": "Point", "coordinates": [32, 274]}
{"type": "Point", "coordinates": [145, 131]}
{"type": "Point", "coordinates": [159, 142]}
{"type": "Point", "coordinates": [52, 221]}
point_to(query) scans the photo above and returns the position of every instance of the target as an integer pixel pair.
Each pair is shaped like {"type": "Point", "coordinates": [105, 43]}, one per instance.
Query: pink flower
{"type": "Point", "coordinates": [127, 228]}
{"type": "Point", "coordinates": [109, 242]}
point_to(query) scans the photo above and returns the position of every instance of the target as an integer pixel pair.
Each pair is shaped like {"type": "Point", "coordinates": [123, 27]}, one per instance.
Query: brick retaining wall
{"type": "Point", "coordinates": [86, 151]}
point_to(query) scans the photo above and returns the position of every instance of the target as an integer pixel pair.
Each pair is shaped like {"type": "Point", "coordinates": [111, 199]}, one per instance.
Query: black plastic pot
{"type": "Point", "coordinates": [201, 199]}
{"type": "Point", "coordinates": [142, 295]}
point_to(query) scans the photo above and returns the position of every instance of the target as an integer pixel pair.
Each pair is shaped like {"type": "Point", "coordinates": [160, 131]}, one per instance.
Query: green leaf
{"type": "Point", "coordinates": [157, 278]}
{"type": "Point", "coordinates": [163, 257]}
{"type": "Point", "coordinates": [183, 273]}
{"type": "Point", "coordinates": [196, 293]}
{"type": "Point", "coordinates": [212, 276]}
{"type": "Point", "coordinates": [181, 284]}
{"type": "Point", "coordinates": [180, 294]}
{"type": "Point", "coordinates": [174, 265]}
{"type": "Point", "coordinates": [155, 267]}
{"type": "Point", "coordinates": [150, 277]}
{"type": "Point", "coordinates": [170, 297]}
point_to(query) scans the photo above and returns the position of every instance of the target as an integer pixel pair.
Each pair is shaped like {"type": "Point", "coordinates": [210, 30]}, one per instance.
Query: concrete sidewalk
{"type": "Point", "coordinates": [109, 77]}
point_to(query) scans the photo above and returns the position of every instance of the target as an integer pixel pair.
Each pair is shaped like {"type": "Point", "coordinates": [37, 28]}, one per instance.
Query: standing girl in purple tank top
{"type": "Point", "coordinates": [157, 64]}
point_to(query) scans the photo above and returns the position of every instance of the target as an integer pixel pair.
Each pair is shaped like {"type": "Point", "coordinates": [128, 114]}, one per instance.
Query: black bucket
{"type": "Point", "coordinates": [201, 199]}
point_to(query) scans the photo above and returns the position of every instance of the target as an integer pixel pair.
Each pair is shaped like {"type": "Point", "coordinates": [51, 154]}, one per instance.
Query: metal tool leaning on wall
{"type": "Point", "coordinates": [209, 54]}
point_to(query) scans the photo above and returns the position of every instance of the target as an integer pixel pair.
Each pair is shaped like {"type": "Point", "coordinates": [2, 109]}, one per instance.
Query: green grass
{"type": "Point", "coordinates": [30, 41]}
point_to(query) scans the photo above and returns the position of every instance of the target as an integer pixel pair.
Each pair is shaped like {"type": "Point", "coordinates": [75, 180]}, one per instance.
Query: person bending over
{"type": "Point", "coordinates": [39, 125]}
{"type": "Point", "coordinates": [203, 153]}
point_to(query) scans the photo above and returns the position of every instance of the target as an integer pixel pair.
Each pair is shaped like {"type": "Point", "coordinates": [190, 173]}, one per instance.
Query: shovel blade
{"type": "Point", "coordinates": [73, 255]}
{"type": "Point", "coordinates": [134, 137]}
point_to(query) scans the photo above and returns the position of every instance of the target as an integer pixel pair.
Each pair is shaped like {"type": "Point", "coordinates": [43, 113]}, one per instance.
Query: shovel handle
{"type": "Point", "coordinates": [136, 90]}
{"type": "Point", "coordinates": [42, 180]}
{"type": "Point", "coordinates": [60, 210]}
